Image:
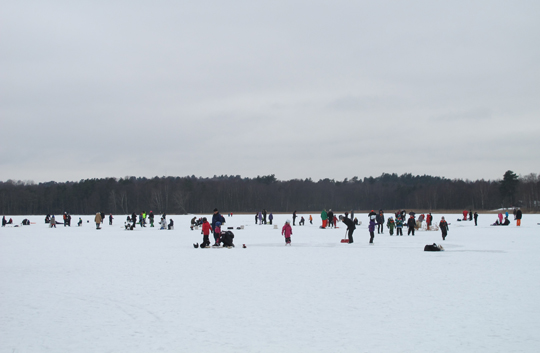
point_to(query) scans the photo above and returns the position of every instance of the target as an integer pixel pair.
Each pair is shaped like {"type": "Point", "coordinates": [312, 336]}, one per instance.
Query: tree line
{"type": "Point", "coordinates": [190, 194]}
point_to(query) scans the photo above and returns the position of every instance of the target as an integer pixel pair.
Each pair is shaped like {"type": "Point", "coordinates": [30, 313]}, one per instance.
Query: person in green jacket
{"type": "Point", "coordinates": [390, 225]}
{"type": "Point", "coordinates": [324, 217]}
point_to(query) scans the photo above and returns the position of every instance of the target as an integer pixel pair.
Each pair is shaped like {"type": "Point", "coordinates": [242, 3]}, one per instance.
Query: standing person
{"type": "Point", "coordinates": [206, 229]}
{"type": "Point", "coordinates": [471, 215]}
{"type": "Point", "coordinates": [264, 216]}
{"type": "Point", "coordinates": [519, 214]}
{"type": "Point", "coordinates": [500, 217]}
{"type": "Point", "coordinates": [270, 218]}
{"type": "Point", "coordinates": [110, 219]}
{"type": "Point", "coordinates": [330, 215]}
{"type": "Point", "coordinates": [310, 219]}
{"type": "Point", "coordinates": [260, 218]}
{"type": "Point", "coordinates": [429, 219]}
{"type": "Point", "coordinates": [294, 217]}
{"type": "Point", "coordinates": [371, 230]}
{"type": "Point", "coordinates": [380, 222]}
{"type": "Point", "coordinates": [465, 212]}
{"type": "Point", "coordinates": [475, 218]}
{"type": "Point", "coordinates": [4, 221]}
{"type": "Point", "coordinates": [256, 217]}
{"type": "Point", "coordinates": [411, 223]}
{"type": "Point", "coordinates": [399, 226]}
{"type": "Point", "coordinates": [151, 218]}
{"type": "Point", "coordinates": [134, 219]}
{"type": "Point", "coordinates": [444, 228]}
{"type": "Point", "coordinates": [350, 227]}
{"type": "Point", "coordinates": [217, 217]}
{"type": "Point", "coordinates": [53, 222]}
{"type": "Point", "coordinates": [324, 218]}
{"type": "Point", "coordinates": [98, 220]}
{"type": "Point", "coordinates": [287, 232]}
{"type": "Point", "coordinates": [102, 214]}
{"type": "Point", "coordinates": [391, 224]}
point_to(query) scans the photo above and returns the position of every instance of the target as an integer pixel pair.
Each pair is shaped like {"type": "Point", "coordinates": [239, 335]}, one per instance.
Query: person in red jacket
{"type": "Point", "coordinates": [287, 232]}
{"type": "Point", "coordinates": [206, 229]}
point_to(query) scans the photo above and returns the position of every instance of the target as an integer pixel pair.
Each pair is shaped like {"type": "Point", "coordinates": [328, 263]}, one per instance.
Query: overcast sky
{"type": "Point", "coordinates": [299, 89]}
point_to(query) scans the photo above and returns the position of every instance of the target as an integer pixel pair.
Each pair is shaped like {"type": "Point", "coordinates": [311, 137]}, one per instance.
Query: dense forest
{"type": "Point", "coordinates": [190, 194]}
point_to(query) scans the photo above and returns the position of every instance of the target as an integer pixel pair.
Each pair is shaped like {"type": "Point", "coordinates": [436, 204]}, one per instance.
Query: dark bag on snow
{"type": "Point", "coordinates": [433, 247]}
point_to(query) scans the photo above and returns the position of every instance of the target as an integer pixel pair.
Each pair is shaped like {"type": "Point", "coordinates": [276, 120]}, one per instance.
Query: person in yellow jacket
{"type": "Point", "coordinates": [98, 220]}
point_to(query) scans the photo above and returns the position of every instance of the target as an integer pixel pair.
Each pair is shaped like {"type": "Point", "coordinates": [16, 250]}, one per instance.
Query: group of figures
{"type": "Point", "coordinates": [221, 237]}
{"type": "Point", "coordinates": [517, 217]}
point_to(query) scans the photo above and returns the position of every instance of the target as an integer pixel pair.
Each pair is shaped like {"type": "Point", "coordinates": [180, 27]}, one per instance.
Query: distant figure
{"type": "Point", "coordinates": [465, 212]}
{"type": "Point", "coordinates": [310, 219]}
{"type": "Point", "coordinates": [79, 224]}
{"type": "Point", "coordinates": [443, 225]}
{"type": "Point", "coordinates": [110, 219]}
{"type": "Point", "coordinates": [98, 220]}
{"type": "Point", "coordinates": [519, 214]}
{"type": "Point", "coordinates": [471, 215]}
{"type": "Point", "coordinates": [324, 218]}
{"type": "Point", "coordinates": [411, 223]}
{"type": "Point", "coordinates": [399, 226]}
{"type": "Point", "coordinates": [171, 225]}
{"type": "Point", "coordinates": [390, 224]}
{"type": "Point", "coordinates": [52, 222]}
{"type": "Point", "coordinates": [294, 217]}
{"type": "Point", "coordinates": [4, 221]}
{"type": "Point", "coordinates": [270, 218]}
{"type": "Point", "coordinates": [350, 227]}
{"type": "Point", "coordinates": [330, 216]}
{"type": "Point", "coordinates": [302, 221]}
{"type": "Point", "coordinates": [286, 231]}
{"type": "Point", "coordinates": [206, 229]}
{"type": "Point", "coordinates": [476, 218]}
{"type": "Point", "coordinates": [371, 229]}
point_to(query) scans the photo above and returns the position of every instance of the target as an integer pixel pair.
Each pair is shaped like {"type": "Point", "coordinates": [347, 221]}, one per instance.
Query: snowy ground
{"type": "Point", "coordinates": [81, 290]}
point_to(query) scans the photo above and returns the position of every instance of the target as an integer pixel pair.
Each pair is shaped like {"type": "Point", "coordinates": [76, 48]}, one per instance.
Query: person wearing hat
{"type": "Point", "coordinates": [411, 223]}
{"type": "Point", "coordinates": [444, 228]}
{"type": "Point", "coordinates": [350, 227]}
{"type": "Point", "coordinates": [217, 217]}
{"type": "Point", "coordinates": [286, 231]}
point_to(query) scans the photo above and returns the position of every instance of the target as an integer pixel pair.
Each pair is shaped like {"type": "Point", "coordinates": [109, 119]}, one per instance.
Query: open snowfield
{"type": "Point", "coordinates": [82, 290]}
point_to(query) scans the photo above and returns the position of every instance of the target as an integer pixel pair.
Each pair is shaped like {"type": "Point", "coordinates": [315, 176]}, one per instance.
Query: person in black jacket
{"type": "Point", "coordinates": [519, 214]}
{"type": "Point", "coordinates": [411, 223]}
{"type": "Point", "coordinates": [331, 219]}
{"type": "Point", "coordinates": [380, 222]}
{"type": "Point", "coordinates": [350, 227]}
{"type": "Point", "coordinates": [294, 218]}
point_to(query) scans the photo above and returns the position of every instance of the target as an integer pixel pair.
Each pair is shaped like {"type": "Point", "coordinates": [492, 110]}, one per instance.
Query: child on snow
{"type": "Point", "coordinates": [217, 233]}
{"type": "Point", "coordinates": [206, 228]}
{"type": "Point", "coordinates": [287, 231]}
{"type": "Point", "coordinates": [399, 226]}
{"type": "Point", "coordinates": [390, 224]}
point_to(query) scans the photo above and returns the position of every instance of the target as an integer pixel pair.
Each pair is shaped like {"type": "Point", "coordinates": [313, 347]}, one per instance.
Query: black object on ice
{"type": "Point", "coordinates": [196, 245]}
{"type": "Point", "coordinates": [433, 247]}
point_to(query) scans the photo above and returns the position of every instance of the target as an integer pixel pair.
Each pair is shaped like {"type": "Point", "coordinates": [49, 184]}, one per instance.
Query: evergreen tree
{"type": "Point", "coordinates": [508, 187]}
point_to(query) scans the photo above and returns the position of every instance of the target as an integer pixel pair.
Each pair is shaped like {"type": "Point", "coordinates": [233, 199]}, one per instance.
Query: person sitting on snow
{"type": "Point", "coordinates": [163, 223]}
{"type": "Point", "coordinates": [171, 225]}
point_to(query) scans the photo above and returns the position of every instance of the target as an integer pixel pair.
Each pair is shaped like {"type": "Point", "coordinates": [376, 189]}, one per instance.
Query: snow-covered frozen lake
{"type": "Point", "coordinates": [81, 290]}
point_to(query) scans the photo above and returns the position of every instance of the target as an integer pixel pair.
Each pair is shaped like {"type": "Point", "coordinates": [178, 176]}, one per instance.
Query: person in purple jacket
{"type": "Point", "coordinates": [371, 230]}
